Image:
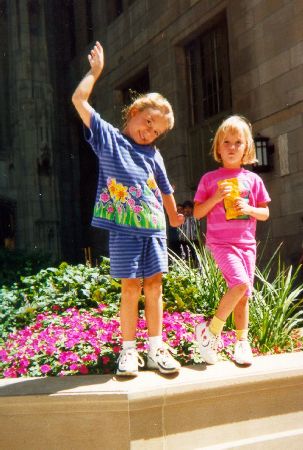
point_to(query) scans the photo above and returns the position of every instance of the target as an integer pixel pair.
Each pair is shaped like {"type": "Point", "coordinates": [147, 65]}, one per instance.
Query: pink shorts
{"type": "Point", "coordinates": [236, 262]}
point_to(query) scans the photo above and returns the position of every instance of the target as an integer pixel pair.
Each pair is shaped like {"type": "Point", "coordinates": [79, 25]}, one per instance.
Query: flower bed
{"type": "Point", "coordinates": [82, 342]}
{"type": "Point", "coordinates": [65, 320]}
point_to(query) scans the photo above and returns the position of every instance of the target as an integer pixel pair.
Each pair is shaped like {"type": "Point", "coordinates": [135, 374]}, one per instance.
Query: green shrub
{"type": "Point", "coordinates": [276, 308]}
{"type": "Point", "coordinates": [195, 289]}
{"type": "Point", "coordinates": [57, 289]}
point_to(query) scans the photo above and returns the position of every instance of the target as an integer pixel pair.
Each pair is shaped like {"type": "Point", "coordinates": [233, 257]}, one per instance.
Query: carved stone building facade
{"type": "Point", "coordinates": [209, 58]}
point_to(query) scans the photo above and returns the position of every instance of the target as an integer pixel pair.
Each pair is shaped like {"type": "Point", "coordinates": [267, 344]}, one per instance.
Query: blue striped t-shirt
{"type": "Point", "coordinates": [131, 179]}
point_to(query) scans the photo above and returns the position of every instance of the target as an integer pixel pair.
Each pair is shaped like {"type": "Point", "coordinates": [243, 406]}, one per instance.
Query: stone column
{"type": "Point", "coordinates": [31, 122]}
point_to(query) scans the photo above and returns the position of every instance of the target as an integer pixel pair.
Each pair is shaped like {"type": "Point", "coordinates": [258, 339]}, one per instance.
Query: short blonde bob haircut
{"type": "Point", "coordinates": [234, 124]}
{"type": "Point", "coordinates": [151, 100]}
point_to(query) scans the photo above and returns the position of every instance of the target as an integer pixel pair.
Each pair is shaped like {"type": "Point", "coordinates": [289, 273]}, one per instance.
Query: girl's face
{"type": "Point", "coordinates": [232, 148]}
{"type": "Point", "coordinates": [144, 127]}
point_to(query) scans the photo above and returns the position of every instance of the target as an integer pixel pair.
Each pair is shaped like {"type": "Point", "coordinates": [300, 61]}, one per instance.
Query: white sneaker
{"type": "Point", "coordinates": [208, 343]}
{"type": "Point", "coordinates": [128, 362]}
{"type": "Point", "coordinates": [242, 353]}
{"type": "Point", "coordinates": [163, 361]}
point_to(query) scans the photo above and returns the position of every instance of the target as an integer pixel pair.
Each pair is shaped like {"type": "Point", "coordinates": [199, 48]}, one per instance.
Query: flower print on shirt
{"type": "Point", "coordinates": [151, 183]}
{"type": "Point", "coordinates": [131, 202]}
{"type": "Point", "coordinates": [137, 209]}
{"type": "Point", "coordinates": [111, 184]}
{"type": "Point", "coordinates": [136, 191]}
{"type": "Point", "coordinates": [244, 193]}
{"type": "Point", "coordinates": [104, 197]}
{"type": "Point", "coordinates": [125, 205]}
{"type": "Point", "coordinates": [121, 193]}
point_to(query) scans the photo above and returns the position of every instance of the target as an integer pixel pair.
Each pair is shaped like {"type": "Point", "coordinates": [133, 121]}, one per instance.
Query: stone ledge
{"type": "Point", "coordinates": [203, 407]}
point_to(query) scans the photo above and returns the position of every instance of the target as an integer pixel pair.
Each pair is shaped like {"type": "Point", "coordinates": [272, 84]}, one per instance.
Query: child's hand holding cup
{"type": "Point", "coordinates": [232, 193]}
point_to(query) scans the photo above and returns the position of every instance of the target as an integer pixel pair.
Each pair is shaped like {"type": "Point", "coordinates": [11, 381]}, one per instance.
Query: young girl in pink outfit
{"type": "Point", "coordinates": [233, 199]}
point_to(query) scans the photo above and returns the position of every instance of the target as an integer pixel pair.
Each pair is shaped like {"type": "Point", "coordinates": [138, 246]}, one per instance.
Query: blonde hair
{"type": "Point", "coordinates": [234, 124]}
{"type": "Point", "coordinates": [151, 100]}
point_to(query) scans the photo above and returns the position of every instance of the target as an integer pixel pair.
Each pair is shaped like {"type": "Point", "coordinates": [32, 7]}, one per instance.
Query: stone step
{"type": "Point", "coordinates": [204, 407]}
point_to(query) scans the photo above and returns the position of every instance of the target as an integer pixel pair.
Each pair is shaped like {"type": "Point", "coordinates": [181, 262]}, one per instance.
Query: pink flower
{"type": "Point", "coordinates": [3, 355]}
{"type": "Point", "coordinates": [102, 306]}
{"type": "Point", "coordinates": [24, 362]}
{"type": "Point", "coordinates": [10, 373]}
{"type": "Point", "coordinates": [90, 357]}
{"type": "Point", "coordinates": [110, 209]}
{"type": "Point", "coordinates": [83, 369]}
{"type": "Point", "coordinates": [137, 209]}
{"type": "Point", "coordinates": [104, 197]}
{"type": "Point", "coordinates": [136, 191]}
{"type": "Point", "coordinates": [67, 357]}
{"type": "Point", "coordinates": [105, 360]}
{"type": "Point", "coordinates": [45, 368]}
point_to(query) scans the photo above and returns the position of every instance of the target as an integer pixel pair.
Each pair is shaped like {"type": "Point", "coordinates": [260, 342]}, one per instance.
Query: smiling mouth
{"type": "Point", "coordinates": [141, 136]}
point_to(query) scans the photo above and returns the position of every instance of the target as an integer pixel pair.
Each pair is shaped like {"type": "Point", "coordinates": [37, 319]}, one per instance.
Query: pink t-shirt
{"type": "Point", "coordinates": [241, 230]}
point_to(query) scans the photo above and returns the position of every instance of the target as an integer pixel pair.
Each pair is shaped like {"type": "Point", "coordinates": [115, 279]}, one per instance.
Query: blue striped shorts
{"type": "Point", "coordinates": [134, 256]}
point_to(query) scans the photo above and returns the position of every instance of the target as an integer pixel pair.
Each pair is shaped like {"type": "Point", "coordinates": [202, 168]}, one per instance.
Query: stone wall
{"type": "Point", "coordinates": [266, 67]}
{"type": "Point", "coordinates": [42, 150]}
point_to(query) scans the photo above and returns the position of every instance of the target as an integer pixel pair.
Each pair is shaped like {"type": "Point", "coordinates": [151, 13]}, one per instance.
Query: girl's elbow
{"type": "Point", "coordinates": [197, 215]}
{"type": "Point", "coordinates": [75, 98]}
{"type": "Point", "coordinates": [267, 214]}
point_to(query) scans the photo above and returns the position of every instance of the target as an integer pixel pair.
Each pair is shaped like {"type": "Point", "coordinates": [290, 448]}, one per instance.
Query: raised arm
{"type": "Point", "coordinates": [84, 89]}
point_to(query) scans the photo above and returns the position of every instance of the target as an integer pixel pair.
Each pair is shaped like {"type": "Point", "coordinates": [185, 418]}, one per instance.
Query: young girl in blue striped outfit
{"type": "Point", "coordinates": [132, 189]}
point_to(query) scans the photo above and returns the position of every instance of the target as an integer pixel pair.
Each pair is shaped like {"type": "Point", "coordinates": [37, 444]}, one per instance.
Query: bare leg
{"type": "Point", "coordinates": [229, 301]}
{"type": "Point", "coordinates": [130, 294]}
{"type": "Point", "coordinates": [241, 314]}
{"type": "Point", "coordinates": [153, 304]}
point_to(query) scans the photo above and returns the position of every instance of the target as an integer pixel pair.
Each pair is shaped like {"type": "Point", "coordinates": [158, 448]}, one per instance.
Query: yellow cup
{"type": "Point", "coordinates": [229, 202]}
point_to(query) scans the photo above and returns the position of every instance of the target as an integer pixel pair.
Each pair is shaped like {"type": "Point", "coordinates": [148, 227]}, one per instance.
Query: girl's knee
{"type": "Point", "coordinates": [242, 289]}
{"type": "Point", "coordinates": [153, 283]}
{"type": "Point", "coordinates": [131, 287]}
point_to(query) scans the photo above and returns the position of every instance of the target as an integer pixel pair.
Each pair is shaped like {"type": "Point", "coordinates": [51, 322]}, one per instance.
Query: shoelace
{"type": "Point", "coordinates": [130, 352]}
{"type": "Point", "coordinates": [165, 351]}
{"type": "Point", "coordinates": [167, 348]}
{"type": "Point", "coordinates": [215, 342]}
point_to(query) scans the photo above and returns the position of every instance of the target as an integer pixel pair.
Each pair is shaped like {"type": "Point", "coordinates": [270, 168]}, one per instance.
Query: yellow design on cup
{"type": "Point", "coordinates": [229, 202]}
